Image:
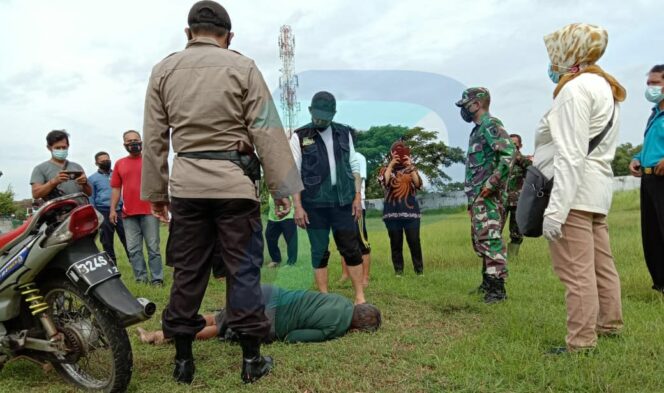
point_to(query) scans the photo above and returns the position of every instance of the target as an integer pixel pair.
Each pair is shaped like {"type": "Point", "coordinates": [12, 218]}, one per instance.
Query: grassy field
{"type": "Point", "coordinates": [435, 336]}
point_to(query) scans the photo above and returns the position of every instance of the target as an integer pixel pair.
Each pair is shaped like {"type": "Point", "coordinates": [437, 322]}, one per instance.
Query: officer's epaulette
{"type": "Point", "coordinates": [170, 55]}
{"type": "Point", "coordinates": [234, 51]}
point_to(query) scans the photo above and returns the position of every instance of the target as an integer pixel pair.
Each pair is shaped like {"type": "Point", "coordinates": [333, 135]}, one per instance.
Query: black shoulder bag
{"type": "Point", "coordinates": [536, 192]}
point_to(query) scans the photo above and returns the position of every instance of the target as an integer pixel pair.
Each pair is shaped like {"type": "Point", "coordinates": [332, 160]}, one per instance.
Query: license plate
{"type": "Point", "coordinates": [92, 270]}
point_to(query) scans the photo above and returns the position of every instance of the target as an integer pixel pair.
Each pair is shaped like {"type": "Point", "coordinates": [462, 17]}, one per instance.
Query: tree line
{"type": "Point", "coordinates": [430, 155]}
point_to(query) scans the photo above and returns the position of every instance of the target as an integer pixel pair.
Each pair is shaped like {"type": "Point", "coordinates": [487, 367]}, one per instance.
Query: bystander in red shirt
{"type": "Point", "coordinates": [127, 175]}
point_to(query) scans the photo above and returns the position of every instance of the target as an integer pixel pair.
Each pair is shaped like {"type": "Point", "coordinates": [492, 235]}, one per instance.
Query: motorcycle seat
{"type": "Point", "coordinates": [9, 237]}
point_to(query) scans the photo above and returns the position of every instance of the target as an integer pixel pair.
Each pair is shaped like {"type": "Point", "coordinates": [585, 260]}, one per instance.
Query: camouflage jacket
{"type": "Point", "coordinates": [490, 157]}
{"type": "Point", "coordinates": [517, 175]}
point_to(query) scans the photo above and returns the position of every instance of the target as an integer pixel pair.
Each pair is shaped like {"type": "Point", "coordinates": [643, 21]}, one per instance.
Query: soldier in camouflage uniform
{"type": "Point", "coordinates": [490, 156]}
{"type": "Point", "coordinates": [514, 186]}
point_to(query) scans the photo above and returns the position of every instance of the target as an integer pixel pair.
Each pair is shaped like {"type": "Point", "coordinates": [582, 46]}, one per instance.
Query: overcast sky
{"type": "Point", "coordinates": [84, 65]}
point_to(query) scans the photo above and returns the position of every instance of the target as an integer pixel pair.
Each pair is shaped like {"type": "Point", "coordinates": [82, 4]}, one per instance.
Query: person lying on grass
{"type": "Point", "coordinates": [295, 316]}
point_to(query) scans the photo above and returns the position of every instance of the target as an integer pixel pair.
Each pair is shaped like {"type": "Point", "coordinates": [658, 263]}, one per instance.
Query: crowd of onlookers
{"type": "Point", "coordinates": [585, 107]}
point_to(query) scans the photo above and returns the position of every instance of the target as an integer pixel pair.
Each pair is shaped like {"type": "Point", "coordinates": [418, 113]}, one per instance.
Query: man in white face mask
{"type": "Point", "coordinates": [649, 165]}
{"type": "Point", "coordinates": [58, 176]}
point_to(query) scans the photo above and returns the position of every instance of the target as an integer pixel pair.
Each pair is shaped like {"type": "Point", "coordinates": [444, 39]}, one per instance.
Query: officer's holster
{"type": "Point", "coordinates": [248, 162]}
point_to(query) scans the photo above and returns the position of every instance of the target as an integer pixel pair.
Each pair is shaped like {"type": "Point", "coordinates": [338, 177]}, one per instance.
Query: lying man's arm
{"type": "Point", "coordinates": [305, 336]}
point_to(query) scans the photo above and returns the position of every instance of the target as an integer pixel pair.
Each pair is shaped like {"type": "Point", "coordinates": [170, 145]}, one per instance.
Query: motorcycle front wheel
{"type": "Point", "coordinates": [100, 359]}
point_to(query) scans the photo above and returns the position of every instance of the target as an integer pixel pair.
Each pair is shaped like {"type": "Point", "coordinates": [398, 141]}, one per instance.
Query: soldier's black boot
{"type": "Point", "coordinates": [184, 360]}
{"type": "Point", "coordinates": [254, 366]}
{"type": "Point", "coordinates": [496, 291]}
{"type": "Point", "coordinates": [484, 286]}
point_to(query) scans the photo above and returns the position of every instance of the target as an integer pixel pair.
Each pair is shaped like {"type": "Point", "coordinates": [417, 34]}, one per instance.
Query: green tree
{"type": "Point", "coordinates": [7, 207]}
{"type": "Point", "coordinates": [430, 155]}
{"type": "Point", "coordinates": [623, 157]}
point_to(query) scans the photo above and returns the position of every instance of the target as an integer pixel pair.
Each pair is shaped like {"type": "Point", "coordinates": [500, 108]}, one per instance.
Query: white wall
{"type": "Point", "coordinates": [458, 198]}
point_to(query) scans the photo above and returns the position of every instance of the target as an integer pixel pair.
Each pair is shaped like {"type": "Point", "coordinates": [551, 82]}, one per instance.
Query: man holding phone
{"type": "Point", "coordinates": [58, 176]}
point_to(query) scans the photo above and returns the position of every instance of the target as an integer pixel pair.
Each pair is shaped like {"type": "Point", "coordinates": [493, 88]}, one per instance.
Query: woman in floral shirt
{"type": "Point", "coordinates": [401, 211]}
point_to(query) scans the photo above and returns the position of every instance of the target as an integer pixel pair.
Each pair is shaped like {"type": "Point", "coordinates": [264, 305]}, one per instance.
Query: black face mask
{"type": "Point", "coordinates": [134, 147]}
{"type": "Point", "coordinates": [320, 125]}
{"type": "Point", "coordinates": [105, 166]}
{"type": "Point", "coordinates": [467, 115]}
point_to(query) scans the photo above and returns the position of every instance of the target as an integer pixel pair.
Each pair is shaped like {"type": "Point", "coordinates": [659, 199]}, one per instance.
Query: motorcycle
{"type": "Point", "coordinates": [62, 303]}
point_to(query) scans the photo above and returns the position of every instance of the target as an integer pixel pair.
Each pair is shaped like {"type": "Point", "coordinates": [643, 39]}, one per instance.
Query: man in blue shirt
{"type": "Point", "coordinates": [649, 165]}
{"type": "Point", "coordinates": [101, 200]}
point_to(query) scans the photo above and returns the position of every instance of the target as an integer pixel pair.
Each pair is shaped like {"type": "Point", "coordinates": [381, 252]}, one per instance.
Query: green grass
{"type": "Point", "coordinates": [435, 337]}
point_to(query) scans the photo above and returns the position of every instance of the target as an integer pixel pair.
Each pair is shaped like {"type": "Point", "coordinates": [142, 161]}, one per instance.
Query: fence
{"type": "Point", "coordinates": [437, 200]}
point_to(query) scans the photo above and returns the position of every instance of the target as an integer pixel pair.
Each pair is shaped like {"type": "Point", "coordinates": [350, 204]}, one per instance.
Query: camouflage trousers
{"type": "Point", "coordinates": [487, 216]}
{"type": "Point", "coordinates": [515, 235]}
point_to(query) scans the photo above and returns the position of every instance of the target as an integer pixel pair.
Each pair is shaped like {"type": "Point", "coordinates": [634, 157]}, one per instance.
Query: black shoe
{"type": "Point", "coordinates": [495, 291]}
{"type": "Point", "coordinates": [157, 283]}
{"type": "Point", "coordinates": [184, 371]}
{"type": "Point", "coordinates": [398, 273]}
{"type": "Point", "coordinates": [256, 368]}
{"type": "Point", "coordinates": [483, 288]}
{"type": "Point", "coordinates": [557, 351]}
{"type": "Point", "coordinates": [565, 350]}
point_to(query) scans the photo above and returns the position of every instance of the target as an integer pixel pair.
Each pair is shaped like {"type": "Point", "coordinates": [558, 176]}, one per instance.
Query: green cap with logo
{"type": "Point", "coordinates": [473, 94]}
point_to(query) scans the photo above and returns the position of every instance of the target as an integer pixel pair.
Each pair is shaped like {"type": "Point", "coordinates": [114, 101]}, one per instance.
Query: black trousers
{"type": "Point", "coordinates": [515, 235]}
{"type": "Point", "coordinates": [341, 222]}
{"type": "Point", "coordinates": [218, 268]}
{"type": "Point", "coordinates": [273, 231]}
{"type": "Point", "coordinates": [107, 232]}
{"type": "Point", "coordinates": [652, 226]}
{"type": "Point", "coordinates": [396, 230]}
{"type": "Point", "coordinates": [196, 226]}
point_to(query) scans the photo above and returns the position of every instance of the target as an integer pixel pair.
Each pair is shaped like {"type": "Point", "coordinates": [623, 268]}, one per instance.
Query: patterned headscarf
{"type": "Point", "coordinates": [574, 50]}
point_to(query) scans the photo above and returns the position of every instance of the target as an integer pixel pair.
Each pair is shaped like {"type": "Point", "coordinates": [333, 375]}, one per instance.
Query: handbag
{"type": "Point", "coordinates": [536, 192]}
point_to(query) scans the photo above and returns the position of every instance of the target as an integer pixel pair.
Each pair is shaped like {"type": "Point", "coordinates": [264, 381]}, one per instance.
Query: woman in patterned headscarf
{"type": "Point", "coordinates": [585, 106]}
{"type": "Point", "coordinates": [401, 211]}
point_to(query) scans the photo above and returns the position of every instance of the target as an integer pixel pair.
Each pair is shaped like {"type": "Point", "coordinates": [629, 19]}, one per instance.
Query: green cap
{"type": "Point", "coordinates": [473, 93]}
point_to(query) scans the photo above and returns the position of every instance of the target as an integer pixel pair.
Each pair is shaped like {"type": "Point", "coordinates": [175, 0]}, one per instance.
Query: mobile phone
{"type": "Point", "coordinates": [73, 175]}
{"type": "Point", "coordinates": [402, 152]}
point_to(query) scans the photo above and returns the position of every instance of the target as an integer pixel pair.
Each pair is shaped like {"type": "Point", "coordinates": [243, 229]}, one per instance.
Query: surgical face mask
{"type": "Point", "coordinates": [134, 147]}
{"type": "Point", "coordinates": [467, 115]}
{"type": "Point", "coordinates": [553, 75]}
{"type": "Point", "coordinates": [655, 94]}
{"type": "Point", "coordinates": [105, 165]}
{"type": "Point", "coordinates": [60, 154]}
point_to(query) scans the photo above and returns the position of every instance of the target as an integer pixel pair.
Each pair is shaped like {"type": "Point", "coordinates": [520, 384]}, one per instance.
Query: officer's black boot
{"type": "Point", "coordinates": [184, 360]}
{"type": "Point", "coordinates": [254, 366]}
{"type": "Point", "coordinates": [496, 291]}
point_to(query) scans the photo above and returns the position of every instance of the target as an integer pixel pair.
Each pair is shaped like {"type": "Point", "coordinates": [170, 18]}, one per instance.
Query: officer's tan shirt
{"type": "Point", "coordinates": [206, 98]}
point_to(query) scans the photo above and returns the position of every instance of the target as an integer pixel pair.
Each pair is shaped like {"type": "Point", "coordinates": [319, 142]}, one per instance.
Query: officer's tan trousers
{"type": "Point", "coordinates": [582, 260]}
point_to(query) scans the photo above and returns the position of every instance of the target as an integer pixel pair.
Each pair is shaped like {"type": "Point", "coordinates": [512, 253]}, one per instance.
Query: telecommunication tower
{"type": "Point", "coordinates": [288, 82]}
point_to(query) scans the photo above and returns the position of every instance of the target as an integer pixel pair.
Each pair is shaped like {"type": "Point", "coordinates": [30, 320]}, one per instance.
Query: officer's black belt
{"type": "Point", "coordinates": [249, 163]}
{"type": "Point", "coordinates": [227, 155]}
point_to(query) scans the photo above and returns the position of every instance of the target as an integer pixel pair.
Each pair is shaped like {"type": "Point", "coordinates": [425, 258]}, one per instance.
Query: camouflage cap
{"type": "Point", "coordinates": [473, 93]}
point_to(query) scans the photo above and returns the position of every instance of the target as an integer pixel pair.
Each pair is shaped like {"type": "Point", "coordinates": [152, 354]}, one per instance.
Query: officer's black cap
{"type": "Point", "coordinates": [323, 106]}
{"type": "Point", "coordinates": [207, 11]}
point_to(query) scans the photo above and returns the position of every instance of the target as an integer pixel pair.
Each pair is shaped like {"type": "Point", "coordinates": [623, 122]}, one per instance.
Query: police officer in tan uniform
{"type": "Point", "coordinates": [215, 107]}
